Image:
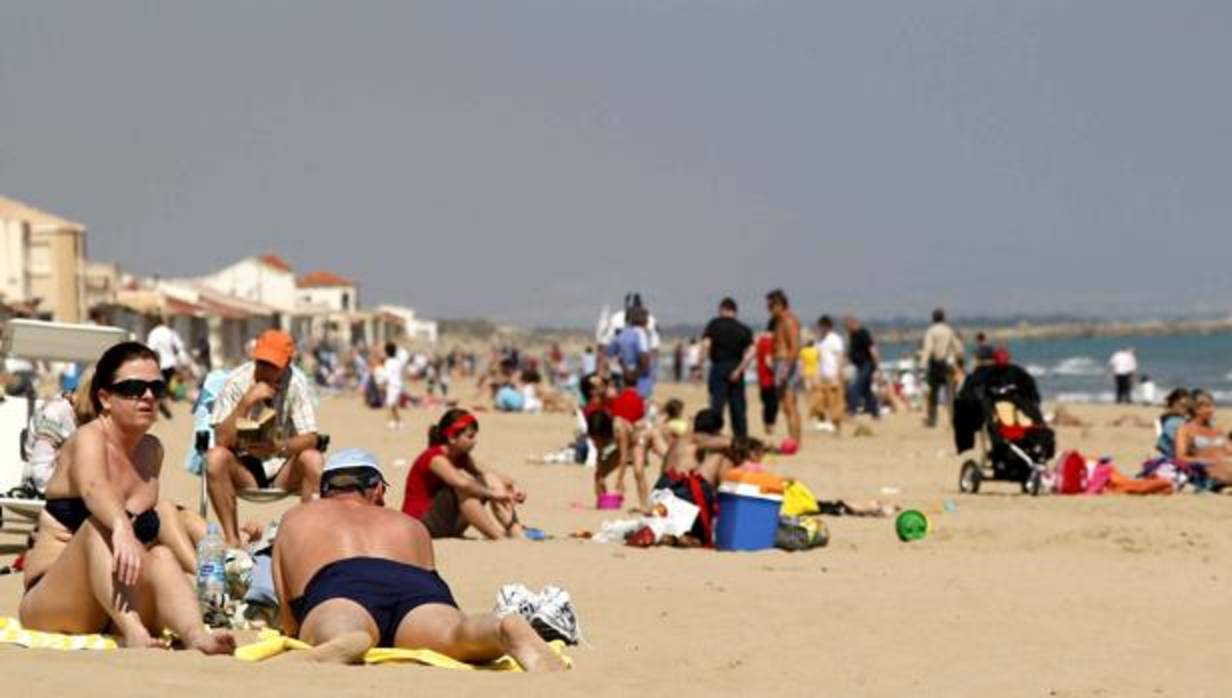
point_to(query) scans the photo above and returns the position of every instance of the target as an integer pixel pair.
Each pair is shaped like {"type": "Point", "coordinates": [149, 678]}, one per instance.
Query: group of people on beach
{"type": "Point", "coordinates": [110, 554]}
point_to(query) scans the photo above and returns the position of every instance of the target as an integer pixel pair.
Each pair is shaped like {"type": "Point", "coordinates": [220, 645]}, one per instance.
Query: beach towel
{"type": "Point", "coordinates": [11, 633]}
{"type": "Point", "coordinates": [272, 643]}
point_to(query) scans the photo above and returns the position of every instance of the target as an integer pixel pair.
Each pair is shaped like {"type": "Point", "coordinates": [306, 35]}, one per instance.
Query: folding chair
{"type": "Point", "coordinates": [257, 495]}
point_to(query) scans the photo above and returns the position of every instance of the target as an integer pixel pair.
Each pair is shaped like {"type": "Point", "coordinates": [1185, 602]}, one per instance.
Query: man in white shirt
{"type": "Point", "coordinates": [167, 344]}
{"type": "Point", "coordinates": [392, 370]}
{"type": "Point", "coordinates": [830, 404]}
{"type": "Point", "coordinates": [1124, 364]}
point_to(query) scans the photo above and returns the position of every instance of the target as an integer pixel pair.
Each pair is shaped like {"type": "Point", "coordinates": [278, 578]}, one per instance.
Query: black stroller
{"type": "Point", "coordinates": [998, 411]}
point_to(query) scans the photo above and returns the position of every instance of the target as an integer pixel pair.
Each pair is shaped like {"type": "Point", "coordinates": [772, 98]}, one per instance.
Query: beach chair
{"type": "Point", "coordinates": [38, 341]}
{"type": "Point", "coordinates": [18, 514]}
{"type": "Point", "coordinates": [256, 495]}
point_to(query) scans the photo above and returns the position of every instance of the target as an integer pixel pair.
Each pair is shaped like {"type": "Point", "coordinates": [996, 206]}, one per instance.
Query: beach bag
{"type": "Point", "coordinates": [693, 488]}
{"type": "Point", "coordinates": [801, 533]}
{"type": "Point", "coordinates": [798, 500]}
{"type": "Point", "coordinates": [1071, 474]}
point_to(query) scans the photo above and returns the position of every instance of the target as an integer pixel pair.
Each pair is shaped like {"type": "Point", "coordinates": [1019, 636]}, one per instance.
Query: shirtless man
{"type": "Point", "coordinates": [351, 575]}
{"type": "Point", "coordinates": [786, 355]}
{"type": "Point", "coordinates": [702, 451]}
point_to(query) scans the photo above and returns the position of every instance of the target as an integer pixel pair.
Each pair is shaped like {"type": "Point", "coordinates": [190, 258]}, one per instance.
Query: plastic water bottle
{"type": "Point", "coordinates": [211, 575]}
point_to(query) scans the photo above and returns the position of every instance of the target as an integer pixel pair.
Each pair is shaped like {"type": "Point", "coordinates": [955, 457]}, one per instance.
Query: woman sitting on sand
{"type": "Point", "coordinates": [94, 563]}
{"type": "Point", "coordinates": [1200, 441]}
{"type": "Point", "coordinates": [447, 490]}
{"type": "Point", "coordinates": [51, 426]}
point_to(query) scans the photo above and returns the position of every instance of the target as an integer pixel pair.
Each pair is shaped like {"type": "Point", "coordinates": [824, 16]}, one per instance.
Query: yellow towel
{"type": "Point", "coordinates": [273, 643]}
{"type": "Point", "coordinates": [11, 633]}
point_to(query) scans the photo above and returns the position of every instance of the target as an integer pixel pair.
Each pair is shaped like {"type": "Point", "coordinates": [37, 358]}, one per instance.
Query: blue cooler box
{"type": "Point", "coordinates": [748, 518]}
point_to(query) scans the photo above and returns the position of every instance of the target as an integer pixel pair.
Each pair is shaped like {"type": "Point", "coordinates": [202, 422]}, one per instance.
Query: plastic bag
{"type": "Point", "coordinates": [798, 500]}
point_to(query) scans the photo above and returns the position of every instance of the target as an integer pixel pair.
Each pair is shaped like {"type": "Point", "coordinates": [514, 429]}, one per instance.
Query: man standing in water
{"type": "Point", "coordinates": [1124, 365]}
{"type": "Point", "coordinates": [786, 358]}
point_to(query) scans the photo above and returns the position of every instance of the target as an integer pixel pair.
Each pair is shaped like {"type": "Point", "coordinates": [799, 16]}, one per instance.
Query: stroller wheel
{"type": "Point", "coordinates": [1032, 484]}
{"type": "Point", "coordinates": [969, 477]}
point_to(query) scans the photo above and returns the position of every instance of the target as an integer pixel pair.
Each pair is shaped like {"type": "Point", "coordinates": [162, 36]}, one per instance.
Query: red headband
{"type": "Point", "coordinates": [460, 424]}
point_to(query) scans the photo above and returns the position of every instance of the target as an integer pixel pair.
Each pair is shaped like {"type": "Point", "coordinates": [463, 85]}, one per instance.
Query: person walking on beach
{"type": "Point", "coordinates": [392, 370]}
{"type": "Point", "coordinates": [729, 344]}
{"type": "Point", "coordinates": [941, 351]}
{"type": "Point", "coordinates": [351, 575]}
{"type": "Point", "coordinates": [786, 365]}
{"type": "Point", "coordinates": [764, 351]}
{"type": "Point", "coordinates": [864, 357]}
{"type": "Point", "coordinates": [1123, 364]}
{"type": "Point", "coordinates": [632, 353]}
{"type": "Point", "coordinates": [831, 403]}
{"type": "Point", "coordinates": [167, 344]}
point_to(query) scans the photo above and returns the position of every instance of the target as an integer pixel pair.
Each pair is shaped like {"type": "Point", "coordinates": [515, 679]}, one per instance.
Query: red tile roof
{"type": "Point", "coordinates": [322, 278]}
{"type": "Point", "coordinates": [275, 261]}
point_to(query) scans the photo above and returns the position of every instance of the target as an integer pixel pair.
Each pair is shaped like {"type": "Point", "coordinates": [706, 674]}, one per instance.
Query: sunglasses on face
{"type": "Point", "coordinates": [135, 388]}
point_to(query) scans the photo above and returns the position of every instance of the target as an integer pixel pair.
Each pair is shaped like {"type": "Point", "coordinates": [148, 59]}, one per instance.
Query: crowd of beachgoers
{"type": "Point", "coordinates": [344, 573]}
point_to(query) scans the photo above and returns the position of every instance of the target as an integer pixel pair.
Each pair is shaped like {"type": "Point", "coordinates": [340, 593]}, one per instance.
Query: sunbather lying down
{"type": "Point", "coordinates": [351, 575]}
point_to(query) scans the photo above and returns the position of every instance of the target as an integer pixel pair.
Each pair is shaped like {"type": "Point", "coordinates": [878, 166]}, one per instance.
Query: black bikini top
{"type": "Point", "coordinates": [71, 512]}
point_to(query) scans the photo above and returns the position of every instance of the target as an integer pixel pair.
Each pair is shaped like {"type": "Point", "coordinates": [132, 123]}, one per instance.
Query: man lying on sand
{"type": "Point", "coordinates": [351, 574]}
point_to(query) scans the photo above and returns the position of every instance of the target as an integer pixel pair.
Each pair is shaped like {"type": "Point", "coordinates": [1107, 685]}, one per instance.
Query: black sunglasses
{"type": "Point", "coordinates": [135, 388]}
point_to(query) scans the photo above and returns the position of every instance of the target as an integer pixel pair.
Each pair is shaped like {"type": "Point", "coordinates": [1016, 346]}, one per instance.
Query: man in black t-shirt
{"type": "Point", "coordinates": [729, 344]}
{"type": "Point", "coordinates": [863, 355]}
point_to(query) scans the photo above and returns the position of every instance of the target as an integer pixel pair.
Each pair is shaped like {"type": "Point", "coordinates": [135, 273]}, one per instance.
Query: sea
{"type": "Point", "coordinates": [1075, 369]}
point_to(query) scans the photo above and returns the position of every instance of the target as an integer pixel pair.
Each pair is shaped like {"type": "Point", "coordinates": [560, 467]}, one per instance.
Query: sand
{"type": "Point", "coordinates": [1008, 596]}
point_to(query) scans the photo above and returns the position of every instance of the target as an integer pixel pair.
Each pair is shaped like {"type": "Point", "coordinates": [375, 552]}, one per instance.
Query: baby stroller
{"type": "Point", "coordinates": [998, 411]}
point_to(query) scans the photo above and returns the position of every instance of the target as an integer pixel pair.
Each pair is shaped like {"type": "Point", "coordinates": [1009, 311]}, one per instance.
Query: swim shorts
{"type": "Point", "coordinates": [387, 590]}
{"type": "Point", "coordinates": [784, 374]}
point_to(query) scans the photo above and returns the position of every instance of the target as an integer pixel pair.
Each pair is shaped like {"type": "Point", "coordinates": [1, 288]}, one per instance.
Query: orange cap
{"type": "Point", "coordinates": [275, 347]}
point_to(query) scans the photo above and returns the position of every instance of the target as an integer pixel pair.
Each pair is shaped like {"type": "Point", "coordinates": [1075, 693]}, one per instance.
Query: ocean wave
{"type": "Point", "coordinates": [1037, 370]}
{"type": "Point", "coordinates": [1078, 366]}
{"type": "Point", "coordinates": [1228, 377]}
{"type": "Point", "coordinates": [1085, 397]}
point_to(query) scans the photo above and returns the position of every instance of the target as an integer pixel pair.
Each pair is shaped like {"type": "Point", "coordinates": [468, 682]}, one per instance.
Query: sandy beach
{"type": "Point", "coordinates": [1008, 596]}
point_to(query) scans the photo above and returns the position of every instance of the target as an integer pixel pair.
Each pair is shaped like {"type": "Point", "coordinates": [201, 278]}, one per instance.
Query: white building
{"type": "Point", "coordinates": [416, 329]}
{"type": "Point", "coordinates": [326, 291]}
{"type": "Point", "coordinates": [267, 280]}
{"type": "Point", "coordinates": [14, 260]}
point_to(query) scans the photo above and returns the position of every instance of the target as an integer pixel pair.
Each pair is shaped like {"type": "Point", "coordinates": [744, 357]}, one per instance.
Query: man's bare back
{"type": "Point", "coordinates": [314, 534]}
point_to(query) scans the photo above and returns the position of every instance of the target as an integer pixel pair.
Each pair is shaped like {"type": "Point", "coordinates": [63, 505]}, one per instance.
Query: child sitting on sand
{"type": "Point", "coordinates": [748, 455]}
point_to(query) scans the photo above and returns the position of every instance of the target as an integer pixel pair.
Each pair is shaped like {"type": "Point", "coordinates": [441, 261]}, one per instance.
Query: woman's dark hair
{"type": "Point", "coordinates": [708, 421]}
{"type": "Point", "coordinates": [437, 433]}
{"type": "Point", "coordinates": [599, 423]}
{"type": "Point", "coordinates": [673, 408]}
{"type": "Point", "coordinates": [1175, 397]}
{"type": "Point", "coordinates": [110, 362]}
{"type": "Point", "coordinates": [587, 386]}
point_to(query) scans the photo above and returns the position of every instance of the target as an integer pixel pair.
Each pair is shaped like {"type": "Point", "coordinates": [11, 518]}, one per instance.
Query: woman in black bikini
{"type": "Point", "coordinates": [94, 562]}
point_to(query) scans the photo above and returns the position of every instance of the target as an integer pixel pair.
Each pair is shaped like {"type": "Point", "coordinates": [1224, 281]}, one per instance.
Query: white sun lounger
{"type": "Point", "coordinates": [39, 341]}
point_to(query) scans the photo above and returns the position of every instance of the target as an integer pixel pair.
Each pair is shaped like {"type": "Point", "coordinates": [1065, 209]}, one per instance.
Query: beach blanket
{"type": "Point", "coordinates": [11, 633]}
{"type": "Point", "coordinates": [272, 643]}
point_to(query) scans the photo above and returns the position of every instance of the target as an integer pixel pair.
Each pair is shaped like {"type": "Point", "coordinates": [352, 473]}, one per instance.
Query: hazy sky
{"type": "Point", "coordinates": [530, 161]}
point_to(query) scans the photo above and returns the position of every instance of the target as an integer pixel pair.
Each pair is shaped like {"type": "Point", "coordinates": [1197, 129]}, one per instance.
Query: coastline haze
{"type": "Point", "coordinates": [530, 162]}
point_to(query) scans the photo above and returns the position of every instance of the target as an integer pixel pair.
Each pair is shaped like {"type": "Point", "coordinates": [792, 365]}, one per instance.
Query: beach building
{"type": "Point", "coordinates": [266, 280]}
{"type": "Point", "coordinates": [417, 330]}
{"type": "Point", "coordinates": [44, 261]}
{"type": "Point", "coordinates": [102, 282]}
{"type": "Point", "coordinates": [329, 311]}
{"type": "Point", "coordinates": [203, 317]}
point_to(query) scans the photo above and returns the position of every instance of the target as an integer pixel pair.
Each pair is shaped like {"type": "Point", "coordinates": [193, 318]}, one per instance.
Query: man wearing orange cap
{"type": "Point", "coordinates": [283, 455]}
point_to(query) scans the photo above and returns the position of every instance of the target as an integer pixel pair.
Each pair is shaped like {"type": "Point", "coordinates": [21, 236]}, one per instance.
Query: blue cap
{"type": "Point", "coordinates": [349, 459]}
